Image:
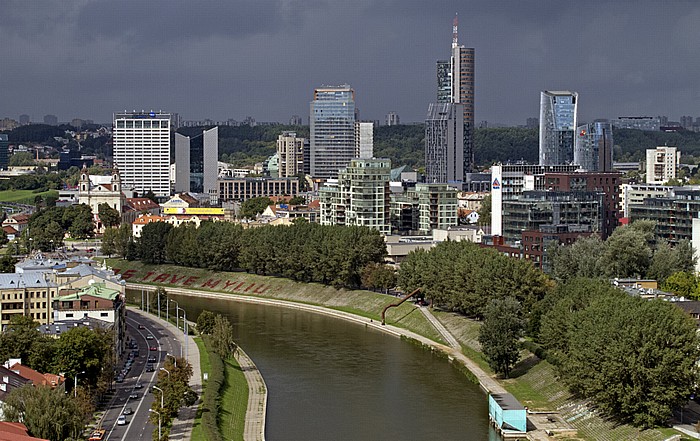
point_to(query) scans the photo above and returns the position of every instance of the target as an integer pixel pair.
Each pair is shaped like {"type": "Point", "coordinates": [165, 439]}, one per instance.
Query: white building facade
{"type": "Point", "coordinates": [662, 164]}
{"type": "Point", "coordinates": [142, 151]}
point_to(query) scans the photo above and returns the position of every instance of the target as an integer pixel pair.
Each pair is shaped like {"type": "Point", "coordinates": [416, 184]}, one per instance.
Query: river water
{"type": "Point", "coordinates": [329, 379]}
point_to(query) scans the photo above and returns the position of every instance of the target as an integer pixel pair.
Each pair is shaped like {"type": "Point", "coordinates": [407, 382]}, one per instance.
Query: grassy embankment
{"type": "Point", "coordinates": [24, 196]}
{"type": "Point", "coordinates": [233, 398]}
{"type": "Point", "coordinates": [534, 382]}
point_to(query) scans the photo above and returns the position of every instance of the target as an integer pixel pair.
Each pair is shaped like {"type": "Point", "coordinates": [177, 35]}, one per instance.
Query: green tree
{"type": "Point", "coordinates": [222, 337]}
{"type": "Point", "coordinates": [21, 159]}
{"type": "Point", "coordinates": [19, 339]}
{"type": "Point", "coordinates": [297, 200]}
{"type": "Point", "coordinates": [109, 242]}
{"type": "Point", "coordinates": [108, 215]}
{"type": "Point", "coordinates": [205, 322]}
{"type": "Point", "coordinates": [627, 252]}
{"type": "Point", "coordinates": [122, 239]}
{"type": "Point", "coordinates": [7, 263]}
{"type": "Point", "coordinates": [48, 413]}
{"type": "Point", "coordinates": [499, 334]}
{"type": "Point", "coordinates": [83, 350]}
{"type": "Point", "coordinates": [378, 276]}
{"type": "Point", "coordinates": [485, 211]}
{"type": "Point", "coordinates": [640, 374]}
{"type": "Point", "coordinates": [580, 259]}
{"type": "Point", "coordinates": [682, 283]}
{"type": "Point", "coordinates": [153, 241]}
{"type": "Point", "coordinates": [254, 206]}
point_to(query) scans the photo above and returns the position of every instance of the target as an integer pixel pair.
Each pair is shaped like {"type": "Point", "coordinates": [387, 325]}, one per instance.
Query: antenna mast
{"type": "Point", "coordinates": [454, 31]}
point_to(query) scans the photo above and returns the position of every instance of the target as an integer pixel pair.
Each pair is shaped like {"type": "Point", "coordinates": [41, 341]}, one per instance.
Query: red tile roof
{"type": "Point", "coordinates": [15, 432]}
{"type": "Point", "coordinates": [8, 229]}
{"type": "Point", "coordinates": [139, 204]}
{"type": "Point", "coordinates": [30, 374]}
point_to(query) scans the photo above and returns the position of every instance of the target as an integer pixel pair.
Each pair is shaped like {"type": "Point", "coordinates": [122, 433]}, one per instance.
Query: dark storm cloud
{"type": "Point", "coordinates": [230, 59]}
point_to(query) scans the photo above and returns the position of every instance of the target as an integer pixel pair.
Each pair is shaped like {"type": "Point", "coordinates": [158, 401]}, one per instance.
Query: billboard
{"type": "Point", "coordinates": [194, 211]}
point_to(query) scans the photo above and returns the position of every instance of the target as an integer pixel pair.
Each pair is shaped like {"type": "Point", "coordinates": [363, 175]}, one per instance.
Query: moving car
{"type": "Point", "coordinates": [150, 337]}
{"type": "Point", "coordinates": [138, 385]}
{"type": "Point", "coordinates": [134, 396]}
{"type": "Point", "coordinates": [97, 435]}
{"type": "Point", "coordinates": [128, 411]}
{"type": "Point", "coordinates": [142, 327]}
{"type": "Point", "coordinates": [121, 420]}
{"type": "Point", "coordinates": [153, 348]}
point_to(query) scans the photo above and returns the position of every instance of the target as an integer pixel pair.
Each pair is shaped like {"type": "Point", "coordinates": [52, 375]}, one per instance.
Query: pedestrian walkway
{"type": "Point", "coordinates": [181, 429]}
{"type": "Point", "coordinates": [254, 429]}
{"type": "Point", "coordinates": [446, 335]}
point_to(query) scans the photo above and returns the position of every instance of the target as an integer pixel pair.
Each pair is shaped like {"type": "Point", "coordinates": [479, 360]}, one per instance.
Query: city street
{"type": "Point", "coordinates": [137, 426]}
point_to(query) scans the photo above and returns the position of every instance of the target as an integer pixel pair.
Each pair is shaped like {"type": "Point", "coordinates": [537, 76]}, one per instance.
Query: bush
{"type": "Point", "coordinates": [210, 401]}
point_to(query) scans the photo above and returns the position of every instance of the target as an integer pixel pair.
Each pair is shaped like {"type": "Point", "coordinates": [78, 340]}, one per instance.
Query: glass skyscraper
{"type": "Point", "coordinates": [557, 126]}
{"type": "Point", "coordinates": [196, 162]}
{"type": "Point", "coordinates": [444, 143]}
{"type": "Point", "coordinates": [332, 130]}
{"type": "Point", "coordinates": [593, 150]}
{"type": "Point", "coordinates": [4, 154]}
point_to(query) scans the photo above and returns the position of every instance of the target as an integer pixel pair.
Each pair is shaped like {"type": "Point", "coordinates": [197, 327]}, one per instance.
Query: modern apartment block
{"type": "Point", "coordinates": [444, 143]}
{"type": "Point", "coordinates": [535, 209]}
{"type": "Point", "coordinates": [437, 206]}
{"type": "Point", "coordinates": [637, 122]}
{"type": "Point", "coordinates": [662, 164]}
{"type": "Point", "coordinates": [242, 189]}
{"type": "Point", "coordinates": [141, 150]}
{"type": "Point", "coordinates": [360, 196]}
{"type": "Point", "coordinates": [196, 160]}
{"type": "Point", "coordinates": [673, 214]}
{"type": "Point", "coordinates": [364, 140]}
{"type": "Point", "coordinates": [635, 194]}
{"type": "Point", "coordinates": [558, 110]}
{"type": "Point", "coordinates": [332, 130]}
{"type": "Point", "coordinates": [290, 151]}
{"type": "Point", "coordinates": [593, 148]}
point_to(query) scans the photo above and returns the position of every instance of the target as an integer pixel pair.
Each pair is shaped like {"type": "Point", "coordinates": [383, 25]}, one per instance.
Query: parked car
{"type": "Point", "coordinates": [119, 379]}
{"type": "Point", "coordinates": [121, 420]}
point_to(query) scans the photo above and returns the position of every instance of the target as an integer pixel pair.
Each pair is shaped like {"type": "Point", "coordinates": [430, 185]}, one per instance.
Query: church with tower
{"type": "Point", "coordinates": [94, 190]}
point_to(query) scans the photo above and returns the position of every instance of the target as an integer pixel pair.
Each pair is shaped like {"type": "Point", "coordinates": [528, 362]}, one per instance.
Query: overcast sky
{"type": "Point", "coordinates": [260, 58]}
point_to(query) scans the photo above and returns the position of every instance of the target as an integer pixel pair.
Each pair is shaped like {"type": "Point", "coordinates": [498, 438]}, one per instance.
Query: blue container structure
{"type": "Point", "coordinates": [507, 413]}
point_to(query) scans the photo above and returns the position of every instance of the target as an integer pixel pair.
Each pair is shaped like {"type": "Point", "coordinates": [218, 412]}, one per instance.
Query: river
{"type": "Point", "coordinates": [329, 379]}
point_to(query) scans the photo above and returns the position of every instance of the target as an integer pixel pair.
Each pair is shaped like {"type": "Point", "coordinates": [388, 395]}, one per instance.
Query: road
{"type": "Point", "coordinates": [138, 427]}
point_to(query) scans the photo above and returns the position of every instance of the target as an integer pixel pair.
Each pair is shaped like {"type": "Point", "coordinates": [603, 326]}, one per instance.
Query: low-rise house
{"type": "Point", "coordinates": [19, 222]}
{"type": "Point", "coordinates": [10, 431]}
{"type": "Point", "coordinates": [142, 221]}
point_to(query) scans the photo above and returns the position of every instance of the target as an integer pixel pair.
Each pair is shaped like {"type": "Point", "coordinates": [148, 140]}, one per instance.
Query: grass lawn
{"type": "Point", "coordinates": [363, 303]}
{"type": "Point", "coordinates": [233, 402]}
{"type": "Point", "coordinates": [24, 196]}
{"type": "Point", "coordinates": [197, 431]}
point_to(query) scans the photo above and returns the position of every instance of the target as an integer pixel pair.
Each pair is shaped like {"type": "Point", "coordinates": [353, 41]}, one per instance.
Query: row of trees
{"type": "Point", "coordinates": [47, 227]}
{"type": "Point", "coordinates": [217, 333]}
{"type": "Point", "coordinates": [631, 251]}
{"type": "Point", "coordinates": [305, 252]}
{"type": "Point", "coordinates": [173, 383]}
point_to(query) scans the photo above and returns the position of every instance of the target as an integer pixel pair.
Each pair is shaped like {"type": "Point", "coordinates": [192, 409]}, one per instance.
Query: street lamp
{"type": "Point", "coordinates": [30, 245]}
{"type": "Point", "coordinates": [75, 387]}
{"type": "Point", "coordinates": [51, 242]}
{"type": "Point", "coordinates": [174, 358]}
{"type": "Point", "coordinates": [161, 396]}
{"type": "Point", "coordinates": [177, 316]}
{"type": "Point", "coordinates": [184, 331]}
{"type": "Point", "coordinates": [168, 372]}
{"type": "Point", "coordinates": [160, 435]}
